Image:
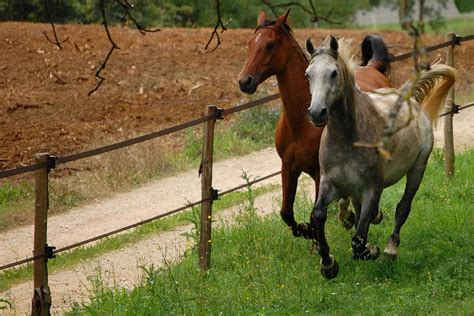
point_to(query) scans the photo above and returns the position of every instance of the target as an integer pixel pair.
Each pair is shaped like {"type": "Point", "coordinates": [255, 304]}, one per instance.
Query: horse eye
{"type": "Point", "coordinates": [334, 74]}
{"type": "Point", "coordinates": [270, 46]}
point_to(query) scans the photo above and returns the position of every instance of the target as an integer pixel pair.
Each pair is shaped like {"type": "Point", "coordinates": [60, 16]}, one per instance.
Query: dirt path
{"type": "Point", "coordinates": [122, 268]}
{"type": "Point", "coordinates": [139, 204]}
{"type": "Point", "coordinates": [147, 201]}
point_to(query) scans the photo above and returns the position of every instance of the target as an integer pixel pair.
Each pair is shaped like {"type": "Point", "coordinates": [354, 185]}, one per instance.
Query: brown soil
{"type": "Point", "coordinates": [152, 82]}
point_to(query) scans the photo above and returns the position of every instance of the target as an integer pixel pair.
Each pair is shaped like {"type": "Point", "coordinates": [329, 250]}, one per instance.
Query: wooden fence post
{"type": "Point", "coordinates": [448, 119]}
{"type": "Point", "coordinates": [207, 192]}
{"type": "Point", "coordinates": [41, 302]}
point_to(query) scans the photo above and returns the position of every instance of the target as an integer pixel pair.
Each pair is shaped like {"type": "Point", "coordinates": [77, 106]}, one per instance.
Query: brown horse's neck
{"type": "Point", "coordinates": [294, 91]}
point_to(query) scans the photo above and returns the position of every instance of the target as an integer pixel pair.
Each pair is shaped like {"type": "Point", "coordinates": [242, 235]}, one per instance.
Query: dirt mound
{"type": "Point", "coordinates": [152, 82]}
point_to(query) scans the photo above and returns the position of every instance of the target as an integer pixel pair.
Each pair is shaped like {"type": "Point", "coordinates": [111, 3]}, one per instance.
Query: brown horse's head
{"type": "Point", "coordinates": [268, 47]}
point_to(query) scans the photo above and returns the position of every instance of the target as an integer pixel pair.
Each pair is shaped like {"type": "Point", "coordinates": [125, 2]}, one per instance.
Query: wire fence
{"type": "Point", "coordinates": [134, 225]}
{"type": "Point", "coordinates": [55, 161]}
{"type": "Point", "coordinates": [97, 151]}
{"type": "Point", "coordinates": [50, 162]}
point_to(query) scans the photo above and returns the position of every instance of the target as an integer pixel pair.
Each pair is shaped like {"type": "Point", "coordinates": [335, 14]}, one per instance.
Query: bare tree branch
{"type": "Point", "coordinates": [56, 39]}
{"type": "Point", "coordinates": [311, 11]}
{"type": "Point", "coordinates": [126, 5]}
{"type": "Point", "coordinates": [215, 31]}
{"type": "Point", "coordinates": [112, 48]}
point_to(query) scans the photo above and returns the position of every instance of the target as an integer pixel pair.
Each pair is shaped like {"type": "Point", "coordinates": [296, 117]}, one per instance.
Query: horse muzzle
{"type": "Point", "coordinates": [319, 118]}
{"type": "Point", "coordinates": [249, 84]}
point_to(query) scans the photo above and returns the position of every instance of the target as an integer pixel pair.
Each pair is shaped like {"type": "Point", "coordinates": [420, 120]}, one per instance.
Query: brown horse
{"type": "Point", "coordinates": [274, 51]}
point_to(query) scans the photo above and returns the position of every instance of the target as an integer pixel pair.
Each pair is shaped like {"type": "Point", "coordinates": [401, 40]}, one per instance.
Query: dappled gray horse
{"type": "Point", "coordinates": [362, 172]}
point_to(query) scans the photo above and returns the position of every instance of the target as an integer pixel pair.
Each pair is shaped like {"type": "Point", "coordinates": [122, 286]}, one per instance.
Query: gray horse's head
{"type": "Point", "coordinates": [323, 74]}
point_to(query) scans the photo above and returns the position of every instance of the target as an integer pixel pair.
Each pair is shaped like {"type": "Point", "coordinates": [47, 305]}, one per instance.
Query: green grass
{"type": "Point", "coordinates": [460, 26]}
{"type": "Point", "coordinates": [259, 268]}
{"type": "Point", "coordinates": [71, 258]}
{"type": "Point", "coordinates": [121, 170]}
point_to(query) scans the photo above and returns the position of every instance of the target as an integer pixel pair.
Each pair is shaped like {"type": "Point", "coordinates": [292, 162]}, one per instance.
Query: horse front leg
{"type": "Point", "coordinates": [289, 184]}
{"type": "Point", "coordinates": [369, 209]}
{"type": "Point", "coordinates": [327, 194]}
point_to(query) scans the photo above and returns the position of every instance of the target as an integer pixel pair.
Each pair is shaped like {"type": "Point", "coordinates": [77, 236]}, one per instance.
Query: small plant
{"type": "Point", "coordinates": [257, 124]}
{"type": "Point", "coordinates": [248, 214]}
{"type": "Point", "coordinates": [5, 304]}
{"type": "Point", "coordinates": [437, 155]}
{"type": "Point", "coordinates": [194, 218]}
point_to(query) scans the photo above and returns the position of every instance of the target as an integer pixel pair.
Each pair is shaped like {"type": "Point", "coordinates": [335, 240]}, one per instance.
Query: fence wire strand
{"type": "Point", "coordinates": [167, 131]}
{"type": "Point", "coordinates": [133, 141]}
{"type": "Point", "coordinates": [122, 229]}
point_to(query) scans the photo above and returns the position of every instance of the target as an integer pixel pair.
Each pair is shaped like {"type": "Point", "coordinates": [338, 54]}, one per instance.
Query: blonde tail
{"type": "Point", "coordinates": [432, 88]}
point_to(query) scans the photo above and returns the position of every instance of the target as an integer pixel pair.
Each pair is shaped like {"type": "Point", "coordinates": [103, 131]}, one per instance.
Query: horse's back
{"type": "Point", "coordinates": [369, 79]}
{"type": "Point", "coordinates": [415, 134]}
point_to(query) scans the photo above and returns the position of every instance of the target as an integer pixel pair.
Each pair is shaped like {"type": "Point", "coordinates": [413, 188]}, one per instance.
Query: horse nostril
{"type": "Point", "coordinates": [248, 82]}
{"type": "Point", "coordinates": [324, 113]}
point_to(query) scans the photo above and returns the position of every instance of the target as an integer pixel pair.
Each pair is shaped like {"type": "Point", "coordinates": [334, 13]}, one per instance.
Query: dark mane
{"type": "Point", "coordinates": [268, 23]}
{"type": "Point", "coordinates": [288, 31]}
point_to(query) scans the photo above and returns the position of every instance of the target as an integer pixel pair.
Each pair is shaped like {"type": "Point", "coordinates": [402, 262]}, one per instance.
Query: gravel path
{"type": "Point", "coordinates": [147, 201]}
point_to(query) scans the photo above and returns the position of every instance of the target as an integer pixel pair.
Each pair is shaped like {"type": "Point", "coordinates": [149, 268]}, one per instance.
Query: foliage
{"type": "Point", "coordinates": [464, 6]}
{"type": "Point", "coordinates": [431, 11]}
{"type": "Point", "coordinates": [257, 124]}
{"type": "Point", "coordinates": [258, 267]}
{"type": "Point", "coordinates": [177, 12]}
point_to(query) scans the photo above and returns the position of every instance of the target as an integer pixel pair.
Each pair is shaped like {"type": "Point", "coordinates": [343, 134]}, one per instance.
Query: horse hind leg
{"type": "Point", "coordinates": [414, 177]}
{"type": "Point", "coordinates": [377, 217]}
{"type": "Point", "coordinates": [346, 216]}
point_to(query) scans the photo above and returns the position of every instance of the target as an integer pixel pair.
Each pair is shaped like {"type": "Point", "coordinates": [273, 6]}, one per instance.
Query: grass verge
{"type": "Point", "coordinates": [97, 177]}
{"type": "Point", "coordinates": [75, 256]}
{"type": "Point", "coordinates": [259, 268]}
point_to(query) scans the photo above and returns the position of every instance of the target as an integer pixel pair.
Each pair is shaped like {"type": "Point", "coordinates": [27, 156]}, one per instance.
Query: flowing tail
{"type": "Point", "coordinates": [432, 88]}
{"type": "Point", "coordinates": [375, 51]}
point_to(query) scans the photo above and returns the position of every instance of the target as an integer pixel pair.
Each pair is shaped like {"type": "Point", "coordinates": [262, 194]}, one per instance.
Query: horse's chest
{"type": "Point", "coordinates": [350, 172]}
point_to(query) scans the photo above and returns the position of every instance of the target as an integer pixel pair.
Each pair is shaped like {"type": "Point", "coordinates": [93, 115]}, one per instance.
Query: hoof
{"type": "Point", "coordinates": [369, 252]}
{"type": "Point", "coordinates": [330, 271]}
{"type": "Point", "coordinates": [390, 254]}
{"type": "Point", "coordinates": [304, 230]}
{"type": "Point", "coordinates": [377, 219]}
{"type": "Point", "coordinates": [348, 221]}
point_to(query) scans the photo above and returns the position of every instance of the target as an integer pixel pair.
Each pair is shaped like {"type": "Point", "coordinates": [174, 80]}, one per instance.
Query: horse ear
{"type": "Point", "coordinates": [262, 16]}
{"type": "Point", "coordinates": [309, 46]}
{"type": "Point", "coordinates": [284, 17]}
{"type": "Point", "coordinates": [333, 44]}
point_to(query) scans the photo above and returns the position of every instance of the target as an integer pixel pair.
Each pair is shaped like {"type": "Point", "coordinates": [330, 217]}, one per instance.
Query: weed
{"type": "Point", "coordinates": [120, 170]}
{"type": "Point", "coordinates": [5, 304]}
{"type": "Point", "coordinates": [259, 268]}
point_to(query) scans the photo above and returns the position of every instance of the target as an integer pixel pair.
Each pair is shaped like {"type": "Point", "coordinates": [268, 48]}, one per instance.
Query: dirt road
{"type": "Point", "coordinates": [160, 196]}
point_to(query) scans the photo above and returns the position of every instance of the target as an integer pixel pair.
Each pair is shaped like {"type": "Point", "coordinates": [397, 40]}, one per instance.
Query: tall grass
{"type": "Point", "coordinates": [258, 267]}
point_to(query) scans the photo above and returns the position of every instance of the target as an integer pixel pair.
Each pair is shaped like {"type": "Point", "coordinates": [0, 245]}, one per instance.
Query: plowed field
{"type": "Point", "coordinates": [152, 82]}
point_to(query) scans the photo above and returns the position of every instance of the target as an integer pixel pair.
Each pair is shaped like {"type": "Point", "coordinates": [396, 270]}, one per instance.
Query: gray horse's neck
{"type": "Point", "coordinates": [355, 120]}
{"type": "Point", "coordinates": [341, 122]}
{"type": "Point", "coordinates": [342, 117]}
